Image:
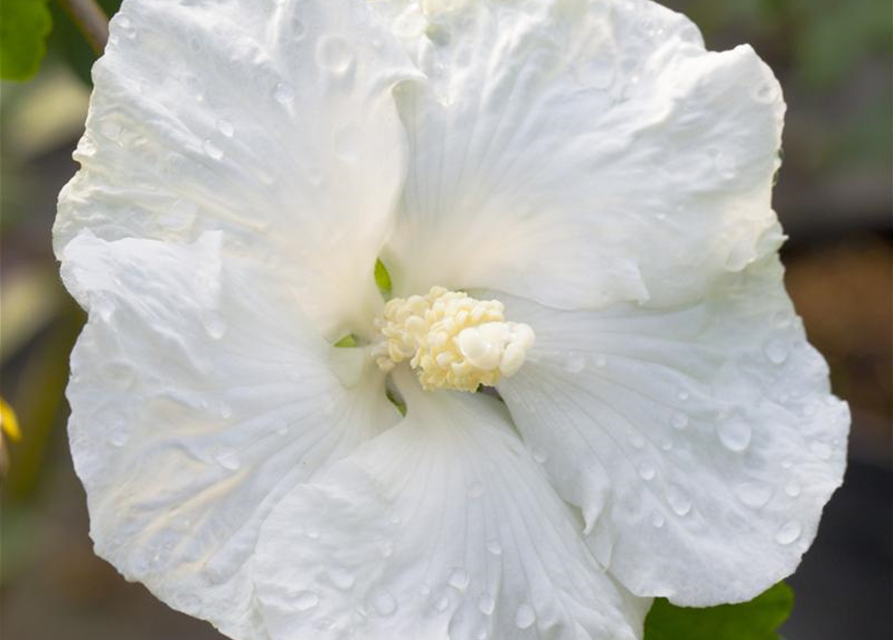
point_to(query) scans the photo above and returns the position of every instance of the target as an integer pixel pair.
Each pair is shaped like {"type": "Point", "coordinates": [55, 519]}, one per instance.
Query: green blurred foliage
{"type": "Point", "coordinates": [68, 45]}
{"type": "Point", "coordinates": [24, 25]}
{"type": "Point", "coordinates": [755, 620]}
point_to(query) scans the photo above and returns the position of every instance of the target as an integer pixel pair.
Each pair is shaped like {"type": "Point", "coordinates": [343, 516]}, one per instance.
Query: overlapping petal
{"type": "Point", "coordinates": [200, 396]}
{"type": "Point", "coordinates": [271, 121]}
{"type": "Point", "coordinates": [702, 441]}
{"type": "Point", "coordinates": [443, 527]}
{"type": "Point", "coordinates": [580, 152]}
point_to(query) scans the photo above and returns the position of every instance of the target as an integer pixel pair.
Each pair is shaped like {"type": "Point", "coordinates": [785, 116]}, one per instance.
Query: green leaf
{"type": "Point", "coordinates": [382, 278]}
{"type": "Point", "coordinates": [758, 619]}
{"type": "Point", "coordinates": [23, 32]}
{"type": "Point", "coordinates": [347, 342]}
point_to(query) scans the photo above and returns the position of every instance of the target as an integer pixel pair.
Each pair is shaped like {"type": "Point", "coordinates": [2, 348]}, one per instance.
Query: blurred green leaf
{"type": "Point", "coordinates": [67, 43]}
{"type": "Point", "coordinates": [758, 619]}
{"type": "Point", "coordinates": [23, 33]}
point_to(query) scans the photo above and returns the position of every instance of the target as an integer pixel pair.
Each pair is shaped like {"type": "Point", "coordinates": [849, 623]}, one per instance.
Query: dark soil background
{"type": "Point", "coordinates": [834, 198]}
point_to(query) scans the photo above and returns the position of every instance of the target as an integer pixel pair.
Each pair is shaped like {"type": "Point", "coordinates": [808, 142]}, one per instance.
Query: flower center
{"type": "Point", "coordinates": [452, 340]}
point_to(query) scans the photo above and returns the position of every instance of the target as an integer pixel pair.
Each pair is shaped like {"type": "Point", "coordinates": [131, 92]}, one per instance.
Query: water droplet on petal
{"type": "Point", "coordinates": [225, 127]}
{"type": "Point", "coordinates": [821, 450]}
{"type": "Point", "coordinates": [658, 520]}
{"type": "Point", "coordinates": [683, 395]}
{"type": "Point", "coordinates": [229, 460]}
{"type": "Point", "coordinates": [459, 579]}
{"type": "Point", "coordinates": [766, 93]}
{"type": "Point", "coordinates": [540, 456]}
{"type": "Point", "coordinates": [792, 489]}
{"type": "Point", "coordinates": [754, 494]}
{"type": "Point", "coordinates": [487, 604]}
{"type": "Point", "coordinates": [494, 547]}
{"type": "Point", "coordinates": [384, 603]}
{"type": "Point", "coordinates": [646, 471]}
{"type": "Point", "coordinates": [574, 362]}
{"type": "Point", "coordinates": [679, 420]}
{"type": "Point", "coordinates": [475, 490]}
{"type": "Point", "coordinates": [735, 434]}
{"type": "Point", "coordinates": [443, 603]}
{"type": "Point", "coordinates": [601, 360]}
{"type": "Point", "coordinates": [776, 351]}
{"type": "Point", "coordinates": [215, 326]}
{"type": "Point", "coordinates": [284, 93]}
{"type": "Point", "coordinates": [346, 144]}
{"type": "Point", "coordinates": [119, 438]}
{"type": "Point", "coordinates": [341, 578]}
{"type": "Point", "coordinates": [637, 441]}
{"type": "Point", "coordinates": [679, 502]}
{"type": "Point", "coordinates": [789, 533]}
{"type": "Point", "coordinates": [212, 150]}
{"type": "Point", "coordinates": [305, 600]}
{"type": "Point", "coordinates": [525, 617]}
{"type": "Point", "coordinates": [334, 54]}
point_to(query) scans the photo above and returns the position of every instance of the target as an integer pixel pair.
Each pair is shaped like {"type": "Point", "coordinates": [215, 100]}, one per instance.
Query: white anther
{"type": "Point", "coordinates": [453, 341]}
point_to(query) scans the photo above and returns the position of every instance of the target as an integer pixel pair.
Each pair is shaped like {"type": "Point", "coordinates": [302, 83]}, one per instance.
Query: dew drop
{"type": "Point", "coordinates": [540, 456]}
{"type": "Point", "coordinates": [384, 603]}
{"type": "Point", "coordinates": [482, 634]}
{"type": "Point", "coordinates": [754, 494]}
{"type": "Point", "coordinates": [306, 600]}
{"type": "Point", "coordinates": [766, 93]}
{"type": "Point", "coordinates": [298, 30]}
{"type": "Point", "coordinates": [312, 533]}
{"type": "Point", "coordinates": [821, 450]}
{"type": "Point", "coordinates": [334, 54]}
{"type": "Point", "coordinates": [215, 326]}
{"type": "Point", "coordinates": [792, 489]}
{"type": "Point", "coordinates": [111, 130]}
{"type": "Point", "coordinates": [525, 616]}
{"type": "Point", "coordinates": [637, 441]}
{"type": "Point", "coordinates": [225, 127]}
{"type": "Point", "coordinates": [284, 93]}
{"type": "Point", "coordinates": [228, 459]}
{"type": "Point", "coordinates": [226, 411]}
{"type": "Point", "coordinates": [387, 549]}
{"type": "Point", "coordinates": [119, 438]}
{"type": "Point", "coordinates": [646, 471]}
{"type": "Point", "coordinates": [212, 150]}
{"type": "Point", "coordinates": [459, 579]}
{"type": "Point", "coordinates": [494, 547]}
{"type": "Point", "coordinates": [735, 435]}
{"type": "Point", "coordinates": [487, 604]}
{"type": "Point", "coordinates": [776, 351]}
{"type": "Point", "coordinates": [683, 395]}
{"type": "Point", "coordinates": [679, 420]}
{"type": "Point", "coordinates": [679, 501]}
{"type": "Point", "coordinates": [789, 533]}
{"type": "Point", "coordinates": [346, 144]}
{"type": "Point", "coordinates": [341, 578]}
{"type": "Point", "coordinates": [475, 490]}
{"type": "Point", "coordinates": [601, 360]}
{"type": "Point", "coordinates": [443, 603]}
{"type": "Point", "coordinates": [666, 445]}
{"type": "Point", "coordinates": [574, 362]}
{"type": "Point", "coordinates": [658, 520]}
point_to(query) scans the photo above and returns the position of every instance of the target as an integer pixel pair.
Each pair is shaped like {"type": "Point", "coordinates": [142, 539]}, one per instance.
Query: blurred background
{"type": "Point", "coordinates": [834, 198]}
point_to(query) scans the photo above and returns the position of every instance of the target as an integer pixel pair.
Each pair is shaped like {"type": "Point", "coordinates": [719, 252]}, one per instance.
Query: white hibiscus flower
{"type": "Point", "coordinates": [573, 200]}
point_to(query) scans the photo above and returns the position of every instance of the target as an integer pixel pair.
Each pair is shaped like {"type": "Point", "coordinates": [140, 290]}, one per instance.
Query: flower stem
{"type": "Point", "coordinates": [90, 20]}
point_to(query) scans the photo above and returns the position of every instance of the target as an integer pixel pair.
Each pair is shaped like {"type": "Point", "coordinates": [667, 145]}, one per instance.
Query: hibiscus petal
{"type": "Point", "coordinates": [272, 121]}
{"type": "Point", "coordinates": [580, 152]}
{"type": "Point", "coordinates": [702, 442]}
{"type": "Point", "coordinates": [443, 527]}
{"type": "Point", "coordinates": [200, 395]}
